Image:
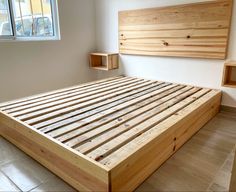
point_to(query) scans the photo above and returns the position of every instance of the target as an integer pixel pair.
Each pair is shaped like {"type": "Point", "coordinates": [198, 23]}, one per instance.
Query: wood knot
{"type": "Point", "coordinates": [99, 158]}
{"type": "Point", "coordinates": [165, 43]}
{"type": "Point", "coordinates": [41, 150]}
{"type": "Point", "coordinates": [188, 37]}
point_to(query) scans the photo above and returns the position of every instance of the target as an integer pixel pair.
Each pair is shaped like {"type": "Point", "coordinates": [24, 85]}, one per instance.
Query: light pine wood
{"type": "Point", "coordinates": [104, 61]}
{"type": "Point", "coordinates": [108, 135]}
{"type": "Point", "coordinates": [229, 78]}
{"type": "Point", "coordinates": [233, 177]}
{"type": "Point", "coordinates": [192, 30]}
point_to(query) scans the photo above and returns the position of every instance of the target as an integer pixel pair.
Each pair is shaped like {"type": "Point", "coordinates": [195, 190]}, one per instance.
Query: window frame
{"type": "Point", "coordinates": [14, 37]}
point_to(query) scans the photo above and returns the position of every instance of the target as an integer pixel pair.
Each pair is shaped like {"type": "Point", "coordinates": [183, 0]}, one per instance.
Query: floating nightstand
{"type": "Point", "coordinates": [229, 76]}
{"type": "Point", "coordinates": [104, 61]}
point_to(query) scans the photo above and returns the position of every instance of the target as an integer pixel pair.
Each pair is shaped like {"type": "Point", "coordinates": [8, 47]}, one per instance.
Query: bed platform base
{"type": "Point", "coordinates": [108, 135]}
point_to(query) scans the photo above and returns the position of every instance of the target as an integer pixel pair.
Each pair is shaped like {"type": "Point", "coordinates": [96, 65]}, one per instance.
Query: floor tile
{"type": "Point", "coordinates": [9, 152]}
{"type": "Point", "coordinates": [223, 179]}
{"type": "Point", "coordinates": [217, 188]}
{"type": "Point", "coordinates": [6, 184]}
{"type": "Point", "coordinates": [54, 185]}
{"type": "Point", "coordinates": [26, 174]}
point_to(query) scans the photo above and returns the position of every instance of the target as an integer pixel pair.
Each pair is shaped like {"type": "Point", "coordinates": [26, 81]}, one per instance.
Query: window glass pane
{"type": "Point", "coordinates": [33, 18]}
{"type": "Point", "coordinates": [5, 24]}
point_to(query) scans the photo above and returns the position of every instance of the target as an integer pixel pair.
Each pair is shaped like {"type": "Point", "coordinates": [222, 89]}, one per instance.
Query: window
{"type": "Point", "coordinates": [29, 19]}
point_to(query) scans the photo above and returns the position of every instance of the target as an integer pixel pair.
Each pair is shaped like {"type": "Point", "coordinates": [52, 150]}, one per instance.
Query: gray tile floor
{"type": "Point", "coordinates": [209, 156]}
{"type": "Point", "coordinates": [18, 172]}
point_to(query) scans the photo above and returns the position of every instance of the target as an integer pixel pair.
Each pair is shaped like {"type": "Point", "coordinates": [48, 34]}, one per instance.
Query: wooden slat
{"type": "Point", "coordinates": [112, 120]}
{"type": "Point", "coordinates": [74, 102]}
{"type": "Point", "coordinates": [157, 117]}
{"type": "Point", "coordinates": [174, 54]}
{"type": "Point", "coordinates": [177, 31]}
{"type": "Point", "coordinates": [91, 140]}
{"type": "Point", "coordinates": [172, 48]}
{"type": "Point", "coordinates": [76, 125]}
{"type": "Point", "coordinates": [39, 97]}
{"type": "Point", "coordinates": [193, 33]}
{"type": "Point", "coordinates": [97, 107]}
{"type": "Point", "coordinates": [175, 42]}
{"type": "Point", "coordinates": [64, 95]}
{"type": "Point", "coordinates": [221, 24]}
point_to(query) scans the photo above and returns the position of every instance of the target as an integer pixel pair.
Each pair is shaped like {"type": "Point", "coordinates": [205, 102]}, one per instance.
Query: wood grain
{"type": "Point", "coordinates": [194, 30]}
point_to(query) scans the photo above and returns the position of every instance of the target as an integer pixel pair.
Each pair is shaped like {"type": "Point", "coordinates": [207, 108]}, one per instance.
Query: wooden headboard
{"type": "Point", "coordinates": [193, 30]}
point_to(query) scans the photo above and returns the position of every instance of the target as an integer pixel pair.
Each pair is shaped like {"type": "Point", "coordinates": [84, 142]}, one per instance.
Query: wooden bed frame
{"type": "Point", "coordinates": [108, 135]}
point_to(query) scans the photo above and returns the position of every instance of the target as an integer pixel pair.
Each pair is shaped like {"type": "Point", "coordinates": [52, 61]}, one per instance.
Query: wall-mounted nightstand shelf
{"type": "Point", "coordinates": [104, 61]}
{"type": "Point", "coordinates": [229, 75]}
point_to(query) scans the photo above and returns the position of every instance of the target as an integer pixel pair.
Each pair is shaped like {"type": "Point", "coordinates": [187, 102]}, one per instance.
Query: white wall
{"type": "Point", "coordinates": [28, 68]}
{"type": "Point", "coordinates": [200, 72]}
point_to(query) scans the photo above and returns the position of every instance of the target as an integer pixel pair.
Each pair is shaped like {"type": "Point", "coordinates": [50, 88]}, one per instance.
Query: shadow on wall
{"type": "Point", "coordinates": [227, 96]}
